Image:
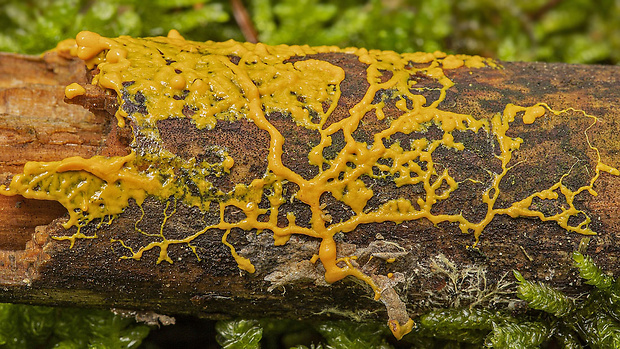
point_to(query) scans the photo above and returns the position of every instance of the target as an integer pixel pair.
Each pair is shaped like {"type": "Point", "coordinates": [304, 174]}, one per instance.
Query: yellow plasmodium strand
{"type": "Point", "coordinates": [244, 263]}
{"type": "Point", "coordinates": [169, 77]}
{"type": "Point", "coordinates": [523, 208]}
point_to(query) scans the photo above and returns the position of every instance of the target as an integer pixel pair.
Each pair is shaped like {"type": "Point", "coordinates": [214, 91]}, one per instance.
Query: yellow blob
{"type": "Point", "coordinates": [115, 55]}
{"type": "Point", "coordinates": [91, 44]}
{"type": "Point", "coordinates": [398, 330]}
{"type": "Point", "coordinates": [74, 90]}
{"type": "Point", "coordinates": [228, 163]}
{"type": "Point", "coordinates": [531, 114]}
{"type": "Point", "coordinates": [314, 259]}
{"type": "Point", "coordinates": [178, 82]}
{"type": "Point", "coordinates": [67, 45]}
{"type": "Point", "coordinates": [174, 34]}
{"type": "Point", "coordinates": [452, 62]}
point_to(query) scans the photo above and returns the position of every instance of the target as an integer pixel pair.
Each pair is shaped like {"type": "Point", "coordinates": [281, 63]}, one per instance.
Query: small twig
{"type": "Point", "coordinates": [242, 17]}
{"type": "Point", "coordinates": [525, 253]}
{"type": "Point", "coordinates": [550, 5]}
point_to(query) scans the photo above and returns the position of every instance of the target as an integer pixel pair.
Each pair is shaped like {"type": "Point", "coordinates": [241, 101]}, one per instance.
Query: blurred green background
{"type": "Point", "coordinates": [573, 31]}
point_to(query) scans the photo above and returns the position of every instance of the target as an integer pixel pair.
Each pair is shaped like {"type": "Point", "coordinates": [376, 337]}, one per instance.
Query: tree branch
{"type": "Point", "coordinates": [543, 190]}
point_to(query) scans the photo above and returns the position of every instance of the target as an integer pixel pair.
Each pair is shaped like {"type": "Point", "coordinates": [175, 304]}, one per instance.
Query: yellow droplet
{"type": "Point", "coordinates": [228, 163]}
{"type": "Point", "coordinates": [398, 330]}
{"type": "Point", "coordinates": [74, 90]}
{"type": "Point", "coordinates": [178, 82]}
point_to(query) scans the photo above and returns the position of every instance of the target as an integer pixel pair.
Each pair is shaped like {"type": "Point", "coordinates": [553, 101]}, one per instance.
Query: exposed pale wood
{"type": "Point", "coordinates": [36, 125]}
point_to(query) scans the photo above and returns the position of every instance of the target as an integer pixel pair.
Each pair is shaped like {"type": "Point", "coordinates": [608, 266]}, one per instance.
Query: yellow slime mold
{"type": "Point", "coordinates": [168, 77]}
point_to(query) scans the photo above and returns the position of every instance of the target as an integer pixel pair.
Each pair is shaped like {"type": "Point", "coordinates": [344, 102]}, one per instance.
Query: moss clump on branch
{"type": "Point", "coordinates": [542, 297]}
{"type": "Point", "coordinates": [594, 318]}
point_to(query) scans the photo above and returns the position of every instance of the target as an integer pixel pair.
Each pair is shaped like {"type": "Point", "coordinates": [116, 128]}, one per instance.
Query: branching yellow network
{"type": "Point", "coordinates": [168, 77]}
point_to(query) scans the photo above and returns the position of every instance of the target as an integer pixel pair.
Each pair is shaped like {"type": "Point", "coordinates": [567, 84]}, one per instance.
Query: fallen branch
{"type": "Point", "coordinates": [426, 178]}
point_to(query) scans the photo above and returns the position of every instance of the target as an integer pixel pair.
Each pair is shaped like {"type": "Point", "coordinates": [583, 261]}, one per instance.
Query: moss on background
{"type": "Point", "coordinates": [23, 326]}
{"type": "Point", "coordinates": [574, 31]}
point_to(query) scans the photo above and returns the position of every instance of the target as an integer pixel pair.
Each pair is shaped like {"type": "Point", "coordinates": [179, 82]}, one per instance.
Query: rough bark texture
{"type": "Point", "coordinates": [435, 266]}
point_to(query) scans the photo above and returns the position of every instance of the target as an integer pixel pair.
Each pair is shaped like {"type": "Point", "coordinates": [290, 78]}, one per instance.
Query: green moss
{"type": "Point", "coordinates": [542, 297]}
{"type": "Point", "coordinates": [24, 326]}
{"type": "Point", "coordinates": [592, 319]}
{"type": "Point", "coordinates": [32, 26]}
{"type": "Point", "coordinates": [241, 334]}
{"type": "Point", "coordinates": [353, 335]}
{"type": "Point", "coordinates": [567, 338]}
{"type": "Point", "coordinates": [464, 325]}
{"type": "Point", "coordinates": [575, 31]}
{"type": "Point", "coordinates": [594, 275]}
{"type": "Point", "coordinates": [515, 335]}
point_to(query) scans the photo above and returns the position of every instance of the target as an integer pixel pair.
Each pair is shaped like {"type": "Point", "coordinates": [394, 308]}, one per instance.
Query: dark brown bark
{"type": "Point", "coordinates": [435, 265]}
